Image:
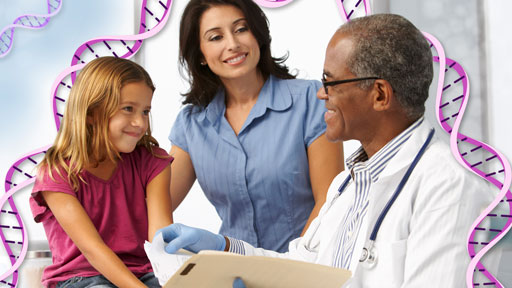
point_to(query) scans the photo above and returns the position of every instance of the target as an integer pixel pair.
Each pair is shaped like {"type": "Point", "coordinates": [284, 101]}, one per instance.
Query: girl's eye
{"type": "Point", "coordinates": [128, 109]}
{"type": "Point", "coordinates": [146, 112]}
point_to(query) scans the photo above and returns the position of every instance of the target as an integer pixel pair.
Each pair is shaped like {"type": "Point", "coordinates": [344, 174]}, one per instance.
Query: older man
{"type": "Point", "coordinates": [399, 216]}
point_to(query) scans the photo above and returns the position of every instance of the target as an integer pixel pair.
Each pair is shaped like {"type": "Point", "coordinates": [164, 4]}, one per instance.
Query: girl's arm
{"type": "Point", "coordinates": [183, 175]}
{"type": "Point", "coordinates": [158, 201]}
{"type": "Point", "coordinates": [325, 162]}
{"type": "Point", "coordinates": [78, 226]}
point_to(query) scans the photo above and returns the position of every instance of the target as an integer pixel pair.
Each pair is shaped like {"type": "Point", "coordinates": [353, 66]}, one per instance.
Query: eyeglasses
{"type": "Point", "coordinates": [337, 82]}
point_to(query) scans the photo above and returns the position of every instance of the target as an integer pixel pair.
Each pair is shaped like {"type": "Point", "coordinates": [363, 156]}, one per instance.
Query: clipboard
{"type": "Point", "coordinates": [219, 269]}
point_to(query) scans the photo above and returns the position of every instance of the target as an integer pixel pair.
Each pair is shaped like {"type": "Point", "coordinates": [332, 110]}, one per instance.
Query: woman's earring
{"type": "Point", "coordinates": [203, 63]}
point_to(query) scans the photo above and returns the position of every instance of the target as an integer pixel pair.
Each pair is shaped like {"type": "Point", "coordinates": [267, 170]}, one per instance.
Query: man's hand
{"type": "Point", "coordinates": [193, 239]}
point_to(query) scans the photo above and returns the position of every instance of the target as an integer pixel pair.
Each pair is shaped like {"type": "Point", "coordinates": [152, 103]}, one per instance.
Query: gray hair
{"type": "Point", "coordinates": [390, 47]}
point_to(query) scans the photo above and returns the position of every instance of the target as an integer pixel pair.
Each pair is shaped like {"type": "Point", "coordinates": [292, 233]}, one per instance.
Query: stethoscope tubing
{"type": "Point", "coordinates": [398, 189]}
{"type": "Point", "coordinates": [400, 186]}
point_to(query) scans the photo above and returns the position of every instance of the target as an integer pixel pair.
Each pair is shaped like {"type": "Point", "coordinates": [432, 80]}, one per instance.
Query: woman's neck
{"type": "Point", "coordinates": [245, 91]}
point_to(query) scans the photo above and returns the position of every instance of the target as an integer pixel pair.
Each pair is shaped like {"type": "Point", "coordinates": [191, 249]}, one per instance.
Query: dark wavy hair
{"type": "Point", "coordinates": [204, 84]}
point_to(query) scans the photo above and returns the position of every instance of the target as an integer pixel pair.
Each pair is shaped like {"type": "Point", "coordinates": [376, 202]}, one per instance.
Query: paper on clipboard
{"type": "Point", "coordinates": [164, 265]}
{"type": "Point", "coordinates": [219, 269]}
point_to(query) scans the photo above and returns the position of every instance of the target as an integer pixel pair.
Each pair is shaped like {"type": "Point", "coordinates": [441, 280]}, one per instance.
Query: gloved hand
{"type": "Point", "coordinates": [193, 239]}
{"type": "Point", "coordinates": [238, 283]}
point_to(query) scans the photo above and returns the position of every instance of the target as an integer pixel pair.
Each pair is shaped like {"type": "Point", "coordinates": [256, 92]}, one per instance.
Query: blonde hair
{"type": "Point", "coordinates": [94, 98]}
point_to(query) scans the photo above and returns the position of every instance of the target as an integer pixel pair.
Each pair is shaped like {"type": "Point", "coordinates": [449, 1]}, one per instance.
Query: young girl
{"type": "Point", "coordinates": [103, 187]}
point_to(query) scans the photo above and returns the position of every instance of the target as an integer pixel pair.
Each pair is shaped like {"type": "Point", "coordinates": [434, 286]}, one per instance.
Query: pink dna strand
{"type": "Point", "coordinates": [30, 21]}
{"type": "Point", "coordinates": [154, 16]}
{"type": "Point", "coordinates": [272, 3]}
{"type": "Point", "coordinates": [354, 8]}
{"type": "Point", "coordinates": [494, 223]}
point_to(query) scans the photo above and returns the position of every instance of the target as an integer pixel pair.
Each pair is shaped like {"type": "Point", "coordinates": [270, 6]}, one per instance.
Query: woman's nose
{"type": "Point", "coordinates": [233, 42]}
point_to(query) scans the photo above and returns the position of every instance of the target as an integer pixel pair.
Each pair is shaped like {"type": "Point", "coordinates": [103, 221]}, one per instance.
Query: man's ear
{"type": "Point", "coordinates": [382, 94]}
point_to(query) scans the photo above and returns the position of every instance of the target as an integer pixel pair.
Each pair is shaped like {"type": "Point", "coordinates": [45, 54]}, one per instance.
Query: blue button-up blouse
{"type": "Point", "coordinates": [258, 181]}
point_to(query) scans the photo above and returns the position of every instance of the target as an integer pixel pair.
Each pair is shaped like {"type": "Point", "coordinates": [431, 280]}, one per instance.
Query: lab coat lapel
{"type": "Point", "coordinates": [383, 189]}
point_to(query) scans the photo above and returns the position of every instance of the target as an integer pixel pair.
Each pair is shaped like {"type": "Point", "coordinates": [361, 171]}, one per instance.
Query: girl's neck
{"type": "Point", "coordinates": [245, 91]}
{"type": "Point", "coordinates": [103, 169]}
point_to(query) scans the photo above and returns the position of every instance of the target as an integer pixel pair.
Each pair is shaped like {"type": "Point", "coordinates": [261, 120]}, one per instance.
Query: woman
{"type": "Point", "coordinates": [252, 135]}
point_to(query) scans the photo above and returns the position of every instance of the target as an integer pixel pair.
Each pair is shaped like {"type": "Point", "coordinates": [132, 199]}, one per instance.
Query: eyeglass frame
{"type": "Point", "coordinates": [337, 82]}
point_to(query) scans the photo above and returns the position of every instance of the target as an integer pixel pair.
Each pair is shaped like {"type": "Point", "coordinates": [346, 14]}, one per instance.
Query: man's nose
{"type": "Point", "coordinates": [320, 94]}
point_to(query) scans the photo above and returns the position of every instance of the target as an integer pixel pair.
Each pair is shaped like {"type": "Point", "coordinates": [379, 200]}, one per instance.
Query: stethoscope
{"type": "Point", "coordinates": [369, 254]}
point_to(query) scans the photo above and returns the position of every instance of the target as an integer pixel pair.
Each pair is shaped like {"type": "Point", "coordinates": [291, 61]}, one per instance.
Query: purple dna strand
{"type": "Point", "coordinates": [480, 158]}
{"type": "Point", "coordinates": [30, 21]}
{"type": "Point", "coordinates": [13, 232]}
{"type": "Point", "coordinates": [354, 8]}
{"type": "Point", "coordinates": [154, 16]}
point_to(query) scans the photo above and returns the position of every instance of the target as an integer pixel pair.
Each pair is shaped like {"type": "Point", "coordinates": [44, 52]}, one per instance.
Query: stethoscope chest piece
{"type": "Point", "coordinates": [369, 256]}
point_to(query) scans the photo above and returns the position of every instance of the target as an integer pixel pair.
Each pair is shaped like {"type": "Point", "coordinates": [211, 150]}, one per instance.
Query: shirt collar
{"type": "Point", "coordinates": [215, 108]}
{"type": "Point", "coordinates": [274, 95]}
{"type": "Point", "coordinates": [359, 160]}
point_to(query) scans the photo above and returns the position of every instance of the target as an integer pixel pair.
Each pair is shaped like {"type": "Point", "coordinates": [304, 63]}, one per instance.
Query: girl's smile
{"type": "Point", "coordinates": [131, 121]}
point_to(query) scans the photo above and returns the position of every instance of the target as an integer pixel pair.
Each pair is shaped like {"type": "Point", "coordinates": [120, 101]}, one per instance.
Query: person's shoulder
{"type": "Point", "coordinates": [442, 182]}
{"type": "Point", "coordinates": [440, 151]}
{"type": "Point", "coordinates": [442, 166]}
{"type": "Point", "coordinates": [58, 174]}
{"type": "Point", "coordinates": [302, 91]}
{"type": "Point", "coordinates": [300, 86]}
{"type": "Point", "coordinates": [189, 111]}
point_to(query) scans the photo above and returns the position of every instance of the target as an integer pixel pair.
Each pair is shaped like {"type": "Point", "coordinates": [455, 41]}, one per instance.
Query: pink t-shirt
{"type": "Point", "coordinates": [117, 208]}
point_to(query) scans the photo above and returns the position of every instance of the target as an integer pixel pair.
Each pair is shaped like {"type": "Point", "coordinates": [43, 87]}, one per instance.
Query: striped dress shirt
{"type": "Point", "coordinates": [364, 172]}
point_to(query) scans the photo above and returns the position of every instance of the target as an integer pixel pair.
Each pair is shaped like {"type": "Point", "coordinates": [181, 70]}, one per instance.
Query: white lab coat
{"type": "Point", "coordinates": [422, 241]}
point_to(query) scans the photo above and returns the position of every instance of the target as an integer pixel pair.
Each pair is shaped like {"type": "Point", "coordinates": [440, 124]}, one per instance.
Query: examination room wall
{"type": "Point", "coordinates": [472, 32]}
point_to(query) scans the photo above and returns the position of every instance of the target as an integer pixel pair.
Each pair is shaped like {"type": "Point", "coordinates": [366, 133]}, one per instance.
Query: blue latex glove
{"type": "Point", "coordinates": [193, 239]}
{"type": "Point", "coordinates": [238, 283]}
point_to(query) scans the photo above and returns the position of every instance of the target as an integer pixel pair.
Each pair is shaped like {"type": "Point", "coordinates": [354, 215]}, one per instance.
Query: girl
{"type": "Point", "coordinates": [250, 117]}
{"type": "Point", "coordinates": [103, 187]}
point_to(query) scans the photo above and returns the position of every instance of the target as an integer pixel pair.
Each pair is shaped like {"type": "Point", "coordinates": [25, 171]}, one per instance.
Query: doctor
{"type": "Point", "coordinates": [377, 73]}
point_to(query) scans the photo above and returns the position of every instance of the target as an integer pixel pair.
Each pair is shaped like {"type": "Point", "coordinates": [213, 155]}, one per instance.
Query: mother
{"type": "Point", "coordinates": [252, 135]}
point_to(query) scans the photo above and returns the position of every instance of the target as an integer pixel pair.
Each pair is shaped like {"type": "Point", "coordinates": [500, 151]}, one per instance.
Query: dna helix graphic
{"type": "Point", "coordinates": [154, 16]}
{"type": "Point", "coordinates": [343, 6]}
{"type": "Point", "coordinates": [354, 7]}
{"type": "Point", "coordinates": [479, 158]}
{"type": "Point", "coordinates": [29, 21]}
{"type": "Point", "coordinates": [272, 3]}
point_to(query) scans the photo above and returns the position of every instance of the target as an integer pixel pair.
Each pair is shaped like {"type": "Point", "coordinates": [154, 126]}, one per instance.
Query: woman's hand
{"type": "Point", "coordinates": [193, 239]}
